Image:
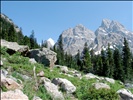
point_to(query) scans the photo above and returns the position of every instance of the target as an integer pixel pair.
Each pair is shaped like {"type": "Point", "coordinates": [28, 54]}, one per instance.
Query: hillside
{"type": "Point", "coordinates": [36, 80]}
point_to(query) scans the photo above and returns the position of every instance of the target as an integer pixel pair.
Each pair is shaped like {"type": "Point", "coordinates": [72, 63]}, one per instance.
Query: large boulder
{"type": "Point", "coordinates": [44, 56]}
{"type": "Point", "coordinates": [10, 84]}
{"type": "Point", "coordinates": [14, 95]}
{"type": "Point", "coordinates": [125, 94]}
{"type": "Point", "coordinates": [64, 69]}
{"type": "Point", "coordinates": [65, 84]}
{"type": "Point", "coordinates": [91, 76]}
{"type": "Point", "coordinates": [101, 86]}
{"type": "Point", "coordinates": [129, 85]}
{"type": "Point", "coordinates": [52, 89]}
{"type": "Point", "coordinates": [110, 80]}
{"type": "Point", "coordinates": [13, 47]}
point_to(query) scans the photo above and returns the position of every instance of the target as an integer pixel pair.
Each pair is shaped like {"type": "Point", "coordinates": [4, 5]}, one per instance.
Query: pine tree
{"type": "Point", "coordinates": [60, 52]}
{"type": "Point", "coordinates": [126, 59]}
{"type": "Point", "coordinates": [87, 59]}
{"type": "Point", "coordinates": [118, 68]}
{"type": "Point", "coordinates": [110, 63]}
{"type": "Point", "coordinates": [26, 41]}
{"type": "Point", "coordinates": [20, 37]}
{"type": "Point", "coordinates": [104, 62]}
{"type": "Point", "coordinates": [79, 62]}
{"type": "Point", "coordinates": [12, 34]}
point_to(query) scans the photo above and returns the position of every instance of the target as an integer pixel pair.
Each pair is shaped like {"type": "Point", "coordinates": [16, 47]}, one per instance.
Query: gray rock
{"type": "Point", "coordinates": [14, 47]}
{"type": "Point", "coordinates": [36, 98]}
{"type": "Point", "coordinates": [110, 80]}
{"type": "Point", "coordinates": [44, 56]}
{"type": "Point", "coordinates": [64, 69]}
{"type": "Point", "coordinates": [40, 74]}
{"type": "Point", "coordinates": [4, 72]}
{"type": "Point", "coordinates": [129, 85]}
{"type": "Point", "coordinates": [65, 84]}
{"type": "Point", "coordinates": [32, 60]}
{"type": "Point", "coordinates": [125, 94]}
{"type": "Point", "coordinates": [77, 74]}
{"type": "Point", "coordinates": [75, 38]}
{"type": "Point", "coordinates": [9, 83]}
{"type": "Point", "coordinates": [101, 86]}
{"type": "Point", "coordinates": [1, 63]}
{"type": "Point", "coordinates": [14, 95]}
{"type": "Point", "coordinates": [52, 89]}
{"type": "Point", "coordinates": [91, 76]}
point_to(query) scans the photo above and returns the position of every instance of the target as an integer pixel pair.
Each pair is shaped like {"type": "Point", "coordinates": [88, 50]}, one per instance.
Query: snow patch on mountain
{"type": "Point", "coordinates": [51, 41]}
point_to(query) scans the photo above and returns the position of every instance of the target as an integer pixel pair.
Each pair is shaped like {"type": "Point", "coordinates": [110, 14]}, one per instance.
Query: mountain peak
{"type": "Point", "coordinates": [105, 23]}
{"type": "Point", "coordinates": [51, 41]}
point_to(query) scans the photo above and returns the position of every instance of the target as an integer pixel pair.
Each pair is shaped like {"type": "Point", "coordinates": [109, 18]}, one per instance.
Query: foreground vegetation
{"type": "Point", "coordinates": [84, 91]}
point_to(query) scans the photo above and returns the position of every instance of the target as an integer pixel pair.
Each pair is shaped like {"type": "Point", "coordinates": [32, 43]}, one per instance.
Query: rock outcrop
{"type": "Point", "coordinates": [65, 84]}
{"type": "Point", "coordinates": [91, 76]}
{"type": "Point", "coordinates": [44, 56]}
{"type": "Point", "coordinates": [14, 95]}
{"type": "Point", "coordinates": [101, 86]}
{"type": "Point", "coordinates": [13, 47]}
{"type": "Point", "coordinates": [52, 89]}
{"type": "Point", "coordinates": [125, 94]}
{"type": "Point", "coordinates": [64, 69]}
{"type": "Point", "coordinates": [110, 80]}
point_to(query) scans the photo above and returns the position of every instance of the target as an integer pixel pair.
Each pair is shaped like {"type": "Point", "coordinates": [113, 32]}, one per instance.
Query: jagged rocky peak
{"type": "Point", "coordinates": [105, 23]}
{"type": "Point", "coordinates": [111, 32]}
{"type": "Point", "coordinates": [116, 26]}
{"type": "Point", "coordinates": [74, 38]}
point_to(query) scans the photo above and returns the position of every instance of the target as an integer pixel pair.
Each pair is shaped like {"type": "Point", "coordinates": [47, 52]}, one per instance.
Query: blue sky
{"type": "Point", "coordinates": [49, 19]}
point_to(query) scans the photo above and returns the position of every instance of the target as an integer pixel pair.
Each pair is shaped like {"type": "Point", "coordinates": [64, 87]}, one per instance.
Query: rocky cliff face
{"type": "Point", "coordinates": [111, 32]}
{"type": "Point", "coordinates": [74, 39]}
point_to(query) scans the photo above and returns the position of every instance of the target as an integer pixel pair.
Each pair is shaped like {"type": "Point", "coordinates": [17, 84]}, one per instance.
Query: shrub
{"type": "Point", "coordinates": [101, 94]}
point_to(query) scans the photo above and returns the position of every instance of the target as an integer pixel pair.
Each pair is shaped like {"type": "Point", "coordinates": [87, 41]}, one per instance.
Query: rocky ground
{"type": "Point", "coordinates": [26, 78]}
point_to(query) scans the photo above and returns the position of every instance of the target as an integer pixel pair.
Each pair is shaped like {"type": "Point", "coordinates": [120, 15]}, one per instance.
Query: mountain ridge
{"type": "Point", "coordinates": [109, 32]}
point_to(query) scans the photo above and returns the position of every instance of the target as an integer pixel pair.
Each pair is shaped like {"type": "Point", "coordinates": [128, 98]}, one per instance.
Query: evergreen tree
{"type": "Point", "coordinates": [12, 34]}
{"type": "Point", "coordinates": [33, 41]}
{"type": "Point", "coordinates": [20, 37]}
{"type": "Point", "coordinates": [126, 59]}
{"type": "Point", "coordinates": [79, 62]}
{"type": "Point", "coordinates": [118, 68]}
{"type": "Point", "coordinates": [26, 41]}
{"type": "Point", "coordinates": [60, 52]}
{"type": "Point", "coordinates": [110, 63]}
{"type": "Point", "coordinates": [104, 63]}
{"type": "Point", "coordinates": [87, 59]}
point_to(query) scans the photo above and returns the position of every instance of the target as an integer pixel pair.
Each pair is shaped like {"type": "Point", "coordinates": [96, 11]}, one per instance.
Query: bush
{"type": "Point", "coordinates": [101, 94]}
{"type": "Point", "coordinates": [3, 51]}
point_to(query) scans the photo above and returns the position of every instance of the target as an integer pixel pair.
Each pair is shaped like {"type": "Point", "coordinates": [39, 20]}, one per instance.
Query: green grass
{"type": "Point", "coordinates": [84, 89]}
